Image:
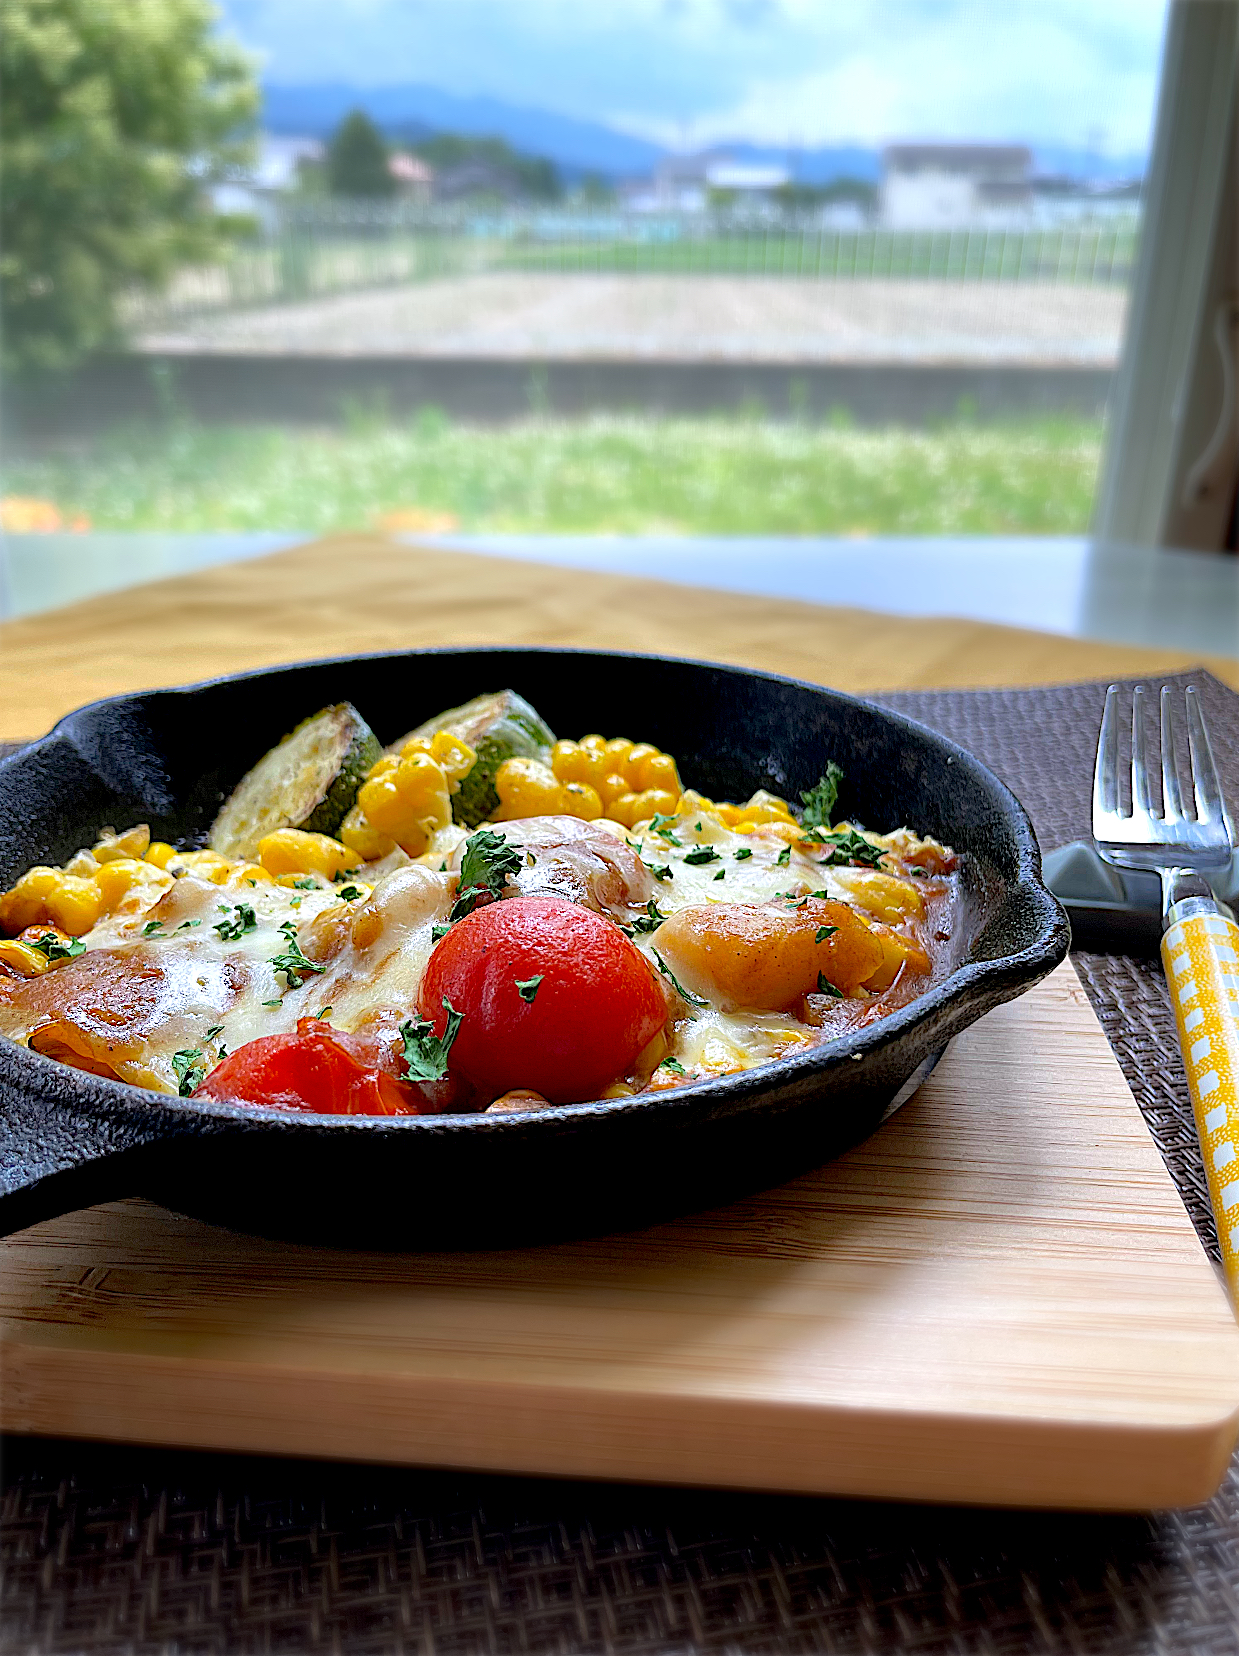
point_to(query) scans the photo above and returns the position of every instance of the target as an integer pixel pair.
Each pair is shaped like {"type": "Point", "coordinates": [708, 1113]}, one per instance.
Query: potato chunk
{"type": "Point", "coordinates": [736, 955]}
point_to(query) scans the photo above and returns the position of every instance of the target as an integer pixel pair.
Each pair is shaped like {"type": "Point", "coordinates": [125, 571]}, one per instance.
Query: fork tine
{"type": "Point", "coordinates": [1209, 805]}
{"type": "Point", "coordinates": [1105, 775]}
{"type": "Point", "coordinates": [1139, 763]}
{"type": "Point", "coordinates": [1172, 799]}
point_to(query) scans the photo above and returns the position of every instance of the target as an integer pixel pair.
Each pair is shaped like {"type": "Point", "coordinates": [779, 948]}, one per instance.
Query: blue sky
{"type": "Point", "coordinates": [685, 72]}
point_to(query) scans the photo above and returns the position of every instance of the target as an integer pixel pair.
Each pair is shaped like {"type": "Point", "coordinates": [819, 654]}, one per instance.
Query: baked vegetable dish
{"type": "Point", "coordinates": [479, 917]}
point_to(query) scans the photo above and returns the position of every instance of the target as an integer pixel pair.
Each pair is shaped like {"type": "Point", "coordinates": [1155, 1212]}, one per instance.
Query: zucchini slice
{"type": "Point", "coordinates": [309, 781]}
{"type": "Point", "coordinates": [497, 726]}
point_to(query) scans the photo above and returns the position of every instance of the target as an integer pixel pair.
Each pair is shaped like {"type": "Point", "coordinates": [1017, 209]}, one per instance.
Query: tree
{"type": "Point", "coordinates": [357, 159]}
{"type": "Point", "coordinates": [115, 116]}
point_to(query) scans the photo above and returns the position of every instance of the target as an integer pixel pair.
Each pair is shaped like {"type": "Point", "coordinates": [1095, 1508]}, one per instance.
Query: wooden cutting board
{"type": "Point", "coordinates": [997, 1298]}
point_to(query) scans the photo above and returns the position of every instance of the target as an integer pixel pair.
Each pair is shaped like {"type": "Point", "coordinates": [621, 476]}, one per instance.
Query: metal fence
{"type": "Point", "coordinates": [313, 249]}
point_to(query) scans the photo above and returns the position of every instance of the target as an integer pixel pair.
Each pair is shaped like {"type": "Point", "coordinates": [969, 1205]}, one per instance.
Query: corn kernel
{"type": "Point", "coordinates": [26, 902]}
{"type": "Point", "coordinates": [160, 853]}
{"type": "Point", "coordinates": [74, 905]}
{"type": "Point", "coordinates": [660, 772]}
{"type": "Point", "coordinates": [129, 885]}
{"type": "Point", "coordinates": [580, 800]}
{"type": "Point", "coordinates": [572, 763]}
{"type": "Point", "coordinates": [612, 786]}
{"type": "Point", "coordinates": [623, 808]}
{"type": "Point", "coordinates": [294, 851]}
{"type": "Point", "coordinates": [248, 873]}
{"type": "Point", "coordinates": [359, 836]}
{"type": "Point", "coordinates": [632, 765]}
{"type": "Point", "coordinates": [617, 750]}
{"type": "Point", "coordinates": [83, 863]}
{"type": "Point", "coordinates": [132, 844]}
{"type": "Point", "coordinates": [655, 802]}
{"type": "Point", "coordinates": [527, 787]}
{"type": "Point", "coordinates": [21, 959]}
{"type": "Point", "coordinates": [457, 758]}
{"type": "Point", "coordinates": [204, 865]}
{"type": "Point", "coordinates": [408, 803]}
{"type": "Point", "coordinates": [594, 741]}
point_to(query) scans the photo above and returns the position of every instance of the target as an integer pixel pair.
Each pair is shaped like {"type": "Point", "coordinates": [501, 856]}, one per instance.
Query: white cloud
{"type": "Point", "coordinates": [811, 70]}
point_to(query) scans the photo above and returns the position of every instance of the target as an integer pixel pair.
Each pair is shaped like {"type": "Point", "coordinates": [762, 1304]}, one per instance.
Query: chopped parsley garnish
{"type": "Point", "coordinates": [826, 987]}
{"type": "Point", "coordinates": [721, 875]}
{"type": "Point", "coordinates": [527, 988]}
{"type": "Point", "coordinates": [674, 1065]}
{"type": "Point", "coordinates": [273, 1003]}
{"type": "Point", "coordinates": [189, 1067]}
{"type": "Point", "coordinates": [651, 919]}
{"type": "Point", "coordinates": [347, 893]}
{"type": "Point", "coordinates": [295, 902]}
{"type": "Point", "coordinates": [659, 824]}
{"type": "Point", "coordinates": [784, 857]}
{"type": "Point", "coordinates": [685, 994]}
{"type": "Point", "coordinates": [425, 1053]}
{"type": "Point", "coordinates": [660, 871]}
{"type": "Point", "coordinates": [823, 932]}
{"type": "Point", "coordinates": [186, 924]}
{"type": "Point", "coordinates": [439, 931]}
{"type": "Point", "coordinates": [56, 948]}
{"type": "Point", "coordinates": [292, 961]}
{"type": "Point", "coordinates": [215, 1029]}
{"type": "Point", "coordinates": [918, 873]}
{"type": "Point", "coordinates": [305, 884]}
{"type": "Point", "coordinates": [243, 920]}
{"type": "Point", "coordinates": [703, 854]}
{"type": "Point", "coordinates": [819, 802]}
{"type": "Point", "coordinates": [325, 1013]}
{"type": "Point", "coordinates": [847, 846]}
{"type": "Point", "coordinates": [151, 927]}
{"type": "Point", "coordinates": [486, 867]}
{"type": "Point", "coordinates": [743, 854]}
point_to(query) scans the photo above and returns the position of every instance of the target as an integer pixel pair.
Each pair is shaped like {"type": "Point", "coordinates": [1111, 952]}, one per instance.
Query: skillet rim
{"type": "Point", "coordinates": [965, 983]}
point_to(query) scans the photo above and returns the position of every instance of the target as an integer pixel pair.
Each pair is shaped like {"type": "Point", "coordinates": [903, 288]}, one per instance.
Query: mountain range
{"type": "Point", "coordinates": [577, 147]}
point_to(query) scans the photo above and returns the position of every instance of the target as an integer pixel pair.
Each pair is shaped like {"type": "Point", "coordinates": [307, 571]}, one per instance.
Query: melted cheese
{"type": "Point", "coordinates": [171, 978]}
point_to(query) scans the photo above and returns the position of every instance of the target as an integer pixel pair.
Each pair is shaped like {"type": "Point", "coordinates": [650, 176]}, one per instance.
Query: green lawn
{"type": "Point", "coordinates": [713, 474]}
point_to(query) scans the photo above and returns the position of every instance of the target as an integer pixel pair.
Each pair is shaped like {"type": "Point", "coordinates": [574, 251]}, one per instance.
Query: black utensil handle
{"type": "Point", "coordinates": [55, 1158]}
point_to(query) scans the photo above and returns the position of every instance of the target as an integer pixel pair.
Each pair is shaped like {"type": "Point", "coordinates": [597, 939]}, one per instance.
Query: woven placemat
{"type": "Point", "coordinates": [118, 1549]}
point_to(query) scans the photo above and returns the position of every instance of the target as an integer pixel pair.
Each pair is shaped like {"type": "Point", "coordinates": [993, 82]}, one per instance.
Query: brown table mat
{"type": "Point", "coordinates": [117, 1549]}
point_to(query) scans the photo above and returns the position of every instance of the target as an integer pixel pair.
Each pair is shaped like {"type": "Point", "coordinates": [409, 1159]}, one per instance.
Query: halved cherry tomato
{"type": "Point", "coordinates": [318, 1070]}
{"type": "Point", "coordinates": [589, 1002]}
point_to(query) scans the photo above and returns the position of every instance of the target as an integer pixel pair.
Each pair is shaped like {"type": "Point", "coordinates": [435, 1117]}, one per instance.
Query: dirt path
{"type": "Point", "coordinates": [682, 318]}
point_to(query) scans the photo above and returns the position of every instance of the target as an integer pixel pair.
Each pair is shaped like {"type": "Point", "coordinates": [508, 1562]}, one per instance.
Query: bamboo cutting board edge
{"type": "Point", "coordinates": [298, 1351]}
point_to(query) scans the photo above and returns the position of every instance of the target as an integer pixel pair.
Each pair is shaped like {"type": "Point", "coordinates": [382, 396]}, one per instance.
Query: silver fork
{"type": "Point", "coordinates": [1200, 944]}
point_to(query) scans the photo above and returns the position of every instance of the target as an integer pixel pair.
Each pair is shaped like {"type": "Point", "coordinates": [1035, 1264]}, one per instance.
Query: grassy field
{"type": "Point", "coordinates": [717, 475]}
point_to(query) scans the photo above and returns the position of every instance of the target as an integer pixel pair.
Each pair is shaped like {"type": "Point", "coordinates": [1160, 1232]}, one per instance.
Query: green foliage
{"type": "Point", "coordinates": [115, 113]}
{"type": "Point", "coordinates": [357, 159]}
{"type": "Point", "coordinates": [623, 475]}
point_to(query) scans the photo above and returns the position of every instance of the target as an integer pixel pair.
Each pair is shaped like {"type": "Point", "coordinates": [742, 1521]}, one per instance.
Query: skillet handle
{"type": "Point", "coordinates": [54, 1157]}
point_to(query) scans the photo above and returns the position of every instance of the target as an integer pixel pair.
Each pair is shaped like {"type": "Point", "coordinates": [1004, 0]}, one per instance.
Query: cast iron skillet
{"type": "Point", "coordinates": [168, 757]}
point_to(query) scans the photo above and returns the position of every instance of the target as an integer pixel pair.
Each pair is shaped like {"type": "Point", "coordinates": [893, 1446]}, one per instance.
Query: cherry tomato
{"type": "Point", "coordinates": [590, 1000]}
{"type": "Point", "coordinates": [318, 1070]}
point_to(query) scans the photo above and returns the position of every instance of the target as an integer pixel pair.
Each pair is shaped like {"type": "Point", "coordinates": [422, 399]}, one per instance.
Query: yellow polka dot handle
{"type": "Point", "coordinates": [1201, 957]}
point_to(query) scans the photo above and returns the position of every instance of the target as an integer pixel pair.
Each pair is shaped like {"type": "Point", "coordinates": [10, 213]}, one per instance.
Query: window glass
{"type": "Point", "coordinates": [726, 266]}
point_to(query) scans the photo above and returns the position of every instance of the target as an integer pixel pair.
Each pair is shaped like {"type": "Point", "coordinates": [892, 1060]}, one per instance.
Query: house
{"type": "Point", "coordinates": [414, 179]}
{"type": "Point", "coordinates": [938, 186]}
{"type": "Point", "coordinates": [685, 183]}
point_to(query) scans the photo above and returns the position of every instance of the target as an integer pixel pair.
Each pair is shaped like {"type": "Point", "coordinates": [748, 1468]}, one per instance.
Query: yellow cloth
{"type": "Point", "coordinates": [358, 592]}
